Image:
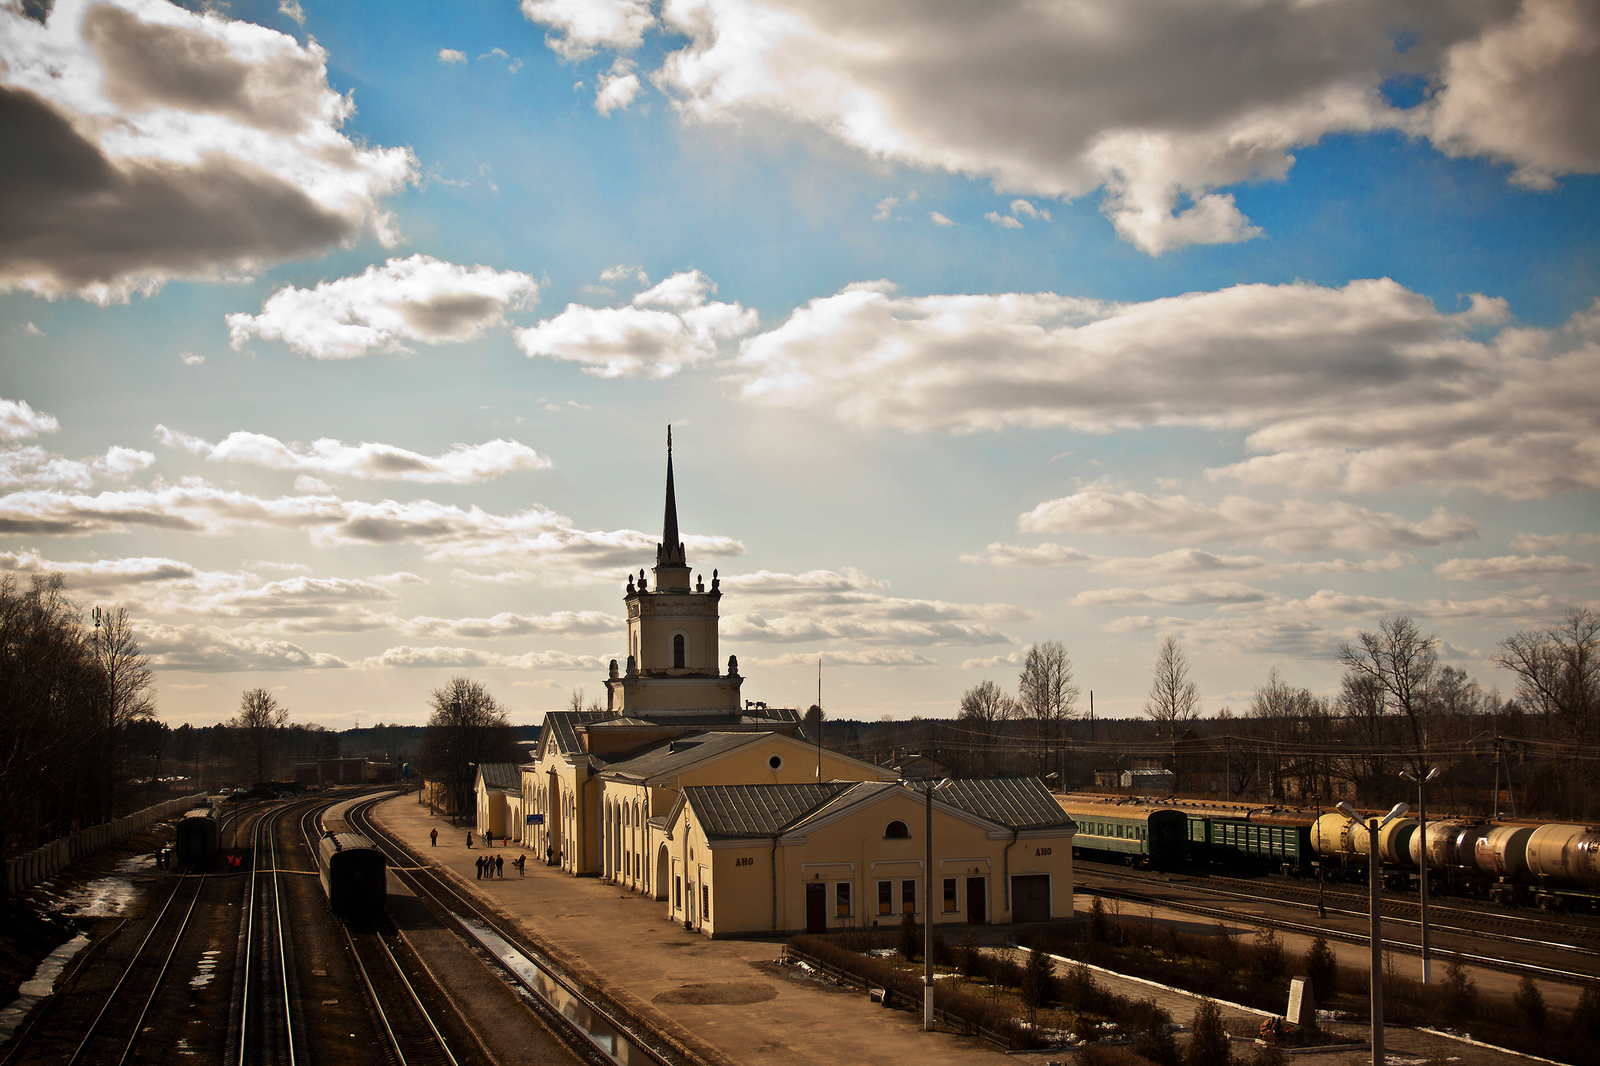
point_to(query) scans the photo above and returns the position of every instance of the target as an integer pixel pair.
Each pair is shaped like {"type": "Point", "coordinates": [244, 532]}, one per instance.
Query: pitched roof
{"type": "Point", "coordinates": [1014, 802]}
{"type": "Point", "coordinates": [757, 810]}
{"type": "Point", "coordinates": [669, 756]}
{"type": "Point", "coordinates": [562, 728]}
{"type": "Point", "coordinates": [501, 775]}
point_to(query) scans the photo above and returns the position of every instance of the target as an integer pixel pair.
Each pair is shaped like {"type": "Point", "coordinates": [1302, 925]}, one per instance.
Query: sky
{"type": "Point", "coordinates": [339, 340]}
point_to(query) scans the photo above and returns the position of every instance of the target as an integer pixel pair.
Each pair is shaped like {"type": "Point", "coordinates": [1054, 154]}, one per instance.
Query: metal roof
{"type": "Point", "coordinates": [669, 756]}
{"type": "Point", "coordinates": [1014, 802]}
{"type": "Point", "coordinates": [563, 727]}
{"type": "Point", "coordinates": [757, 810]}
{"type": "Point", "coordinates": [501, 775]}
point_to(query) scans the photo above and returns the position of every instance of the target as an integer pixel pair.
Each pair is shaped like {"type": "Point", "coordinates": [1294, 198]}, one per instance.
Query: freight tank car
{"type": "Point", "coordinates": [197, 839]}
{"type": "Point", "coordinates": [354, 875]}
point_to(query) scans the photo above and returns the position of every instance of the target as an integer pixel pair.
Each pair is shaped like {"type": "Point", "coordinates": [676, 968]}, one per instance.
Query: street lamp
{"type": "Point", "coordinates": [1376, 933]}
{"type": "Point", "coordinates": [930, 786]}
{"type": "Point", "coordinates": [1421, 781]}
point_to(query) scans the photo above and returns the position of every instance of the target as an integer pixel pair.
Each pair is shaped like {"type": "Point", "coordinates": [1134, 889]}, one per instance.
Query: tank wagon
{"type": "Point", "coordinates": [1551, 864]}
{"type": "Point", "coordinates": [354, 875]}
{"type": "Point", "coordinates": [197, 839]}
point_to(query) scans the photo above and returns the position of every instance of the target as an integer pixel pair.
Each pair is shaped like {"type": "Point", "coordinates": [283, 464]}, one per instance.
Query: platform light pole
{"type": "Point", "coordinates": [1421, 781]}
{"type": "Point", "coordinates": [1376, 934]}
{"type": "Point", "coordinates": [928, 788]}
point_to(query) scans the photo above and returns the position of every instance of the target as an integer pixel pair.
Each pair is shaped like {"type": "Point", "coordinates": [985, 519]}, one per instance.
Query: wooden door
{"type": "Point", "coordinates": [977, 901]}
{"type": "Point", "coordinates": [816, 907]}
{"type": "Point", "coordinates": [1030, 898]}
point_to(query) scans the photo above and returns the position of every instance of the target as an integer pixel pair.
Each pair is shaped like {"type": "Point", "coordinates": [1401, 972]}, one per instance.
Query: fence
{"type": "Point", "coordinates": [25, 871]}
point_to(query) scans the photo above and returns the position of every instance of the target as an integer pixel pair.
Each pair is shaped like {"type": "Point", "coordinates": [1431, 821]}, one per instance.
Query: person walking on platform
{"type": "Point", "coordinates": [433, 835]}
{"type": "Point", "coordinates": [500, 867]}
{"type": "Point", "coordinates": [469, 839]}
{"type": "Point", "coordinates": [522, 865]}
{"type": "Point", "coordinates": [480, 867]}
{"type": "Point", "coordinates": [488, 838]}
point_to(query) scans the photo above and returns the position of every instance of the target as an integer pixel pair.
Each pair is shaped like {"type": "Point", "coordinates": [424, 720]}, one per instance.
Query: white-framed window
{"type": "Point", "coordinates": [775, 762]}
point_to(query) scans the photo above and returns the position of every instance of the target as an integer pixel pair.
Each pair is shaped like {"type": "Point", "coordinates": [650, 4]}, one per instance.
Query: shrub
{"type": "Point", "coordinates": [1152, 1038]}
{"type": "Point", "coordinates": [1038, 977]}
{"type": "Point", "coordinates": [1224, 949]}
{"type": "Point", "coordinates": [1459, 992]}
{"type": "Point", "coordinates": [942, 955]}
{"type": "Point", "coordinates": [910, 938]}
{"type": "Point", "coordinates": [1100, 1055]}
{"type": "Point", "coordinates": [1268, 1055]}
{"type": "Point", "coordinates": [1586, 1017]}
{"type": "Point", "coordinates": [1099, 931]}
{"type": "Point", "coordinates": [1208, 1040]}
{"type": "Point", "coordinates": [1266, 960]}
{"type": "Point", "coordinates": [969, 960]}
{"type": "Point", "coordinates": [1322, 967]}
{"type": "Point", "coordinates": [1529, 1004]}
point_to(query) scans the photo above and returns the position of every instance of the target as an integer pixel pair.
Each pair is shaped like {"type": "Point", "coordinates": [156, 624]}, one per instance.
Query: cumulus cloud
{"type": "Point", "coordinates": [544, 545]}
{"type": "Point", "coordinates": [109, 574]}
{"type": "Point", "coordinates": [463, 464]}
{"type": "Point", "coordinates": [149, 142]}
{"type": "Point", "coordinates": [212, 649]}
{"type": "Point", "coordinates": [998, 554]}
{"type": "Point", "coordinates": [584, 26]}
{"type": "Point", "coordinates": [291, 9]}
{"type": "Point", "coordinates": [1204, 592]}
{"type": "Point", "coordinates": [508, 624]}
{"type": "Point", "coordinates": [1514, 568]}
{"type": "Point", "coordinates": [822, 605]}
{"type": "Point", "coordinates": [417, 299]}
{"type": "Point", "coordinates": [295, 597]}
{"type": "Point", "coordinates": [668, 327]}
{"type": "Point", "coordinates": [1003, 221]}
{"type": "Point", "coordinates": [994, 662]}
{"type": "Point", "coordinates": [1536, 542]}
{"type": "Point", "coordinates": [891, 657]}
{"type": "Point", "coordinates": [448, 56]}
{"type": "Point", "coordinates": [33, 465]}
{"type": "Point", "coordinates": [617, 88]}
{"type": "Point", "coordinates": [1180, 562]}
{"type": "Point", "coordinates": [18, 421]}
{"type": "Point", "coordinates": [1296, 525]}
{"type": "Point", "coordinates": [1161, 105]}
{"type": "Point", "coordinates": [1362, 388]}
{"type": "Point", "coordinates": [939, 220]}
{"type": "Point", "coordinates": [410, 657]}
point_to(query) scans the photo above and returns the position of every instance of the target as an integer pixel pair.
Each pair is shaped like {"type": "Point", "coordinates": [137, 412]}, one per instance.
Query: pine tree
{"type": "Point", "coordinates": [1208, 1039]}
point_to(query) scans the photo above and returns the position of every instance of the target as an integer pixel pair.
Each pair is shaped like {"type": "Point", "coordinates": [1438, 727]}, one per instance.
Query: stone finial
{"type": "Point", "coordinates": [644, 583]}
{"type": "Point", "coordinates": [630, 585]}
{"type": "Point", "coordinates": [733, 666]}
{"type": "Point", "coordinates": [633, 666]}
{"type": "Point", "coordinates": [716, 582]}
{"type": "Point", "coordinates": [613, 668]}
{"type": "Point", "coordinates": [699, 583]}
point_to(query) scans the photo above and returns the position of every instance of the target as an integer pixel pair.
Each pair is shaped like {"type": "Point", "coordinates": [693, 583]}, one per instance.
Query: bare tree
{"type": "Point", "coordinates": [1279, 713]}
{"type": "Point", "coordinates": [1046, 693]}
{"type": "Point", "coordinates": [466, 728]}
{"type": "Point", "coordinates": [1558, 671]}
{"type": "Point", "coordinates": [575, 701]}
{"type": "Point", "coordinates": [128, 700]}
{"type": "Point", "coordinates": [985, 709]}
{"type": "Point", "coordinates": [259, 720]}
{"type": "Point", "coordinates": [1174, 698]}
{"type": "Point", "coordinates": [1400, 660]}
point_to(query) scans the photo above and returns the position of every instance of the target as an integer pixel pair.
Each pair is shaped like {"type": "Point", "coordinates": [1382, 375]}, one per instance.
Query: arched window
{"type": "Point", "coordinates": [680, 651]}
{"type": "Point", "coordinates": [896, 830]}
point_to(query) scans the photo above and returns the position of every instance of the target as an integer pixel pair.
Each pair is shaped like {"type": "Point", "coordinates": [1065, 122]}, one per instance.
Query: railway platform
{"type": "Point", "coordinates": [727, 1000]}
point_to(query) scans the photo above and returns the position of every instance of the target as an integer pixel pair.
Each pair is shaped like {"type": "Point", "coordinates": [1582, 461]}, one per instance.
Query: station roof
{"type": "Point", "coordinates": [1014, 802]}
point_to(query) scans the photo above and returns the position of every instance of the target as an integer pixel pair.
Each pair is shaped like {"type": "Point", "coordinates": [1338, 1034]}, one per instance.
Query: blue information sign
{"type": "Point", "coordinates": [535, 819]}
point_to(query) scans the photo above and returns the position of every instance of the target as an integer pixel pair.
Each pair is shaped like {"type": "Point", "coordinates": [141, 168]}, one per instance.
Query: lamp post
{"type": "Point", "coordinates": [927, 909]}
{"type": "Point", "coordinates": [1421, 781]}
{"type": "Point", "coordinates": [1376, 934]}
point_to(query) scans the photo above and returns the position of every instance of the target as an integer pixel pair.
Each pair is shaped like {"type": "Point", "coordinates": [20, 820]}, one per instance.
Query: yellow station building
{"type": "Point", "coordinates": [740, 824]}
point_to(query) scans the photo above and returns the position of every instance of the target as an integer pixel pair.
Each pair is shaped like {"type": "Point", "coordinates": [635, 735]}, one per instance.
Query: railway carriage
{"type": "Point", "coordinates": [1255, 838]}
{"type": "Point", "coordinates": [197, 839]}
{"type": "Point", "coordinates": [354, 875]}
{"type": "Point", "coordinates": [1138, 836]}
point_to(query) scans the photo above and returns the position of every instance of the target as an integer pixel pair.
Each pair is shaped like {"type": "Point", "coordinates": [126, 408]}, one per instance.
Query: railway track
{"type": "Point", "coordinates": [265, 1028]}
{"type": "Point", "coordinates": [1225, 909]}
{"type": "Point", "coordinates": [595, 1031]}
{"type": "Point", "coordinates": [414, 1035]}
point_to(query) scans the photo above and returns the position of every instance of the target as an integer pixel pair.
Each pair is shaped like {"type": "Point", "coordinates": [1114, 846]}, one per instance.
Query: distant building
{"type": "Point", "coordinates": [1148, 780]}
{"type": "Point", "coordinates": [498, 788]}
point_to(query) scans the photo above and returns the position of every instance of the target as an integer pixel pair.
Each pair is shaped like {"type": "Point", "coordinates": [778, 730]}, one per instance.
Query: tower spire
{"type": "Point", "coordinates": [670, 551]}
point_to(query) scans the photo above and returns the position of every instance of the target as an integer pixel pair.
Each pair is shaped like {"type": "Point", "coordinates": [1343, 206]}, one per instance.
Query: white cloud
{"type": "Point", "coordinates": [617, 88]}
{"type": "Point", "coordinates": [998, 554]}
{"type": "Point", "coordinates": [211, 649]}
{"type": "Point", "coordinates": [1023, 207]}
{"type": "Point", "coordinates": [410, 657]}
{"type": "Point", "coordinates": [508, 624]}
{"type": "Point", "coordinates": [890, 657]}
{"type": "Point", "coordinates": [28, 329]}
{"type": "Point", "coordinates": [587, 25]}
{"type": "Point", "coordinates": [399, 577]}
{"type": "Point", "coordinates": [198, 146]}
{"type": "Point", "coordinates": [191, 359]}
{"type": "Point", "coordinates": [295, 597]}
{"type": "Point", "coordinates": [109, 574]}
{"type": "Point", "coordinates": [885, 209]}
{"type": "Point", "coordinates": [419, 299]}
{"type": "Point", "coordinates": [994, 662]}
{"type": "Point", "coordinates": [1296, 525]}
{"type": "Point", "coordinates": [33, 465]}
{"type": "Point", "coordinates": [448, 56]}
{"type": "Point", "coordinates": [1514, 568]}
{"type": "Point", "coordinates": [1159, 104]}
{"type": "Point", "coordinates": [1362, 388]}
{"type": "Point", "coordinates": [309, 485]}
{"type": "Point", "coordinates": [463, 464]}
{"type": "Point", "coordinates": [623, 272]}
{"type": "Point", "coordinates": [939, 220]}
{"type": "Point", "coordinates": [291, 9]}
{"type": "Point", "coordinates": [640, 340]}
{"type": "Point", "coordinates": [1205, 592]}
{"type": "Point", "coordinates": [19, 421]}
{"type": "Point", "coordinates": [1535, 542]}
{"type": "Point", "coordinates": [1003, 221]}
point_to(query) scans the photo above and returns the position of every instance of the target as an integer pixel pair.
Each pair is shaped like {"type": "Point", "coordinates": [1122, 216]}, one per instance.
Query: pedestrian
{"type": "Point", "coordinates": [480, 867]}
{"type": "Point", "coordinates": [522, 865]}
{"type": "Point", "coordinates": [469, 839]}
{"type": "Point", "coordinates": [433, 835]}
{"type": "Point", "coordinates": [500, 867]}
{"type": "Point", "coordinates": [488, 838]}
{"type": "Point", "coordinates": [549, 855]}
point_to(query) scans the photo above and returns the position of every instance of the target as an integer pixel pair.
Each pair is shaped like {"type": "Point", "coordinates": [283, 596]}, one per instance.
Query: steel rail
{"type": "Point", "coordinates": [166, 964]}
{"type": "Point", "coordinates": [404, 866]}
{"type": "Point", "coordinates": [133, 964]}
{"type": "Point", "coordinates": [265, 826]}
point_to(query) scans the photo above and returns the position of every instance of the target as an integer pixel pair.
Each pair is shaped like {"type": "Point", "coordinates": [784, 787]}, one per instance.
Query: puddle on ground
{"type": "Point", "coordinates": [105, 897]}
{"type": "Point", "coordinates": [39, 985]}
{"type": "Point", "coordinates": [206, 971]}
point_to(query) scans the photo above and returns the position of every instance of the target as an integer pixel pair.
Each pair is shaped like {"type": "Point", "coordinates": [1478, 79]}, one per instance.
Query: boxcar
{"type": "Point", "coordinates": [197, 839]}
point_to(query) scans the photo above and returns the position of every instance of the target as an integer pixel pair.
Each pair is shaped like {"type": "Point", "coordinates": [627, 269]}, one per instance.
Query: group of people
{"type": "Point", "coordinates": [495, 866]}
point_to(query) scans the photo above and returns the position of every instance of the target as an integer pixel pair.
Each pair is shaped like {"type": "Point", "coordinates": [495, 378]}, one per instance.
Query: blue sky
{"type": "Point", "coordinates": [339, 340]}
